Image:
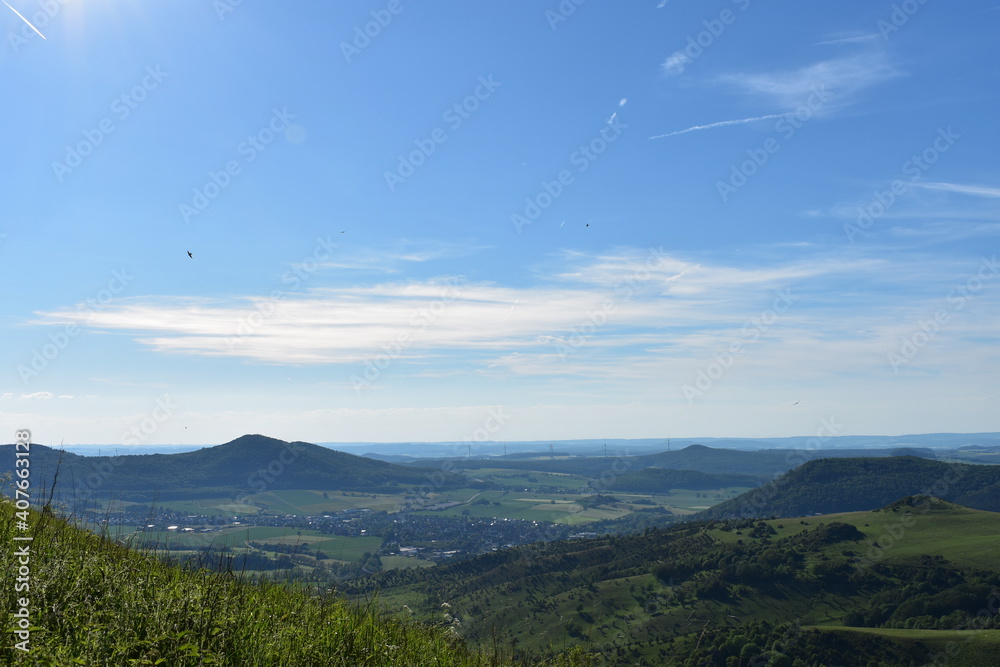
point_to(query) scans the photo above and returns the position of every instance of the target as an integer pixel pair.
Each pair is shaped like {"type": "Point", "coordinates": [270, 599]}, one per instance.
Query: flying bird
{"type": "Point", "coordinates": [796, 403]}
{"type": "Point", "coordinates": [190, 255]}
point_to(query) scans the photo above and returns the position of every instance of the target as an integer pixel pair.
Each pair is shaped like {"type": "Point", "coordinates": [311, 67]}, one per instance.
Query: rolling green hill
{"type": "Point", "coordinates": [824, 486]}
{"type": "Point", "coordinates": [835, 590]}
{"type": "Point", "coordinates": [249, 464]}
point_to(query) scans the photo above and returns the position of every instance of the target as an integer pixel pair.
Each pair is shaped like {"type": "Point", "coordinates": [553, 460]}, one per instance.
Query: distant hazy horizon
{"type": "Point", "coordinates": [615, 446]}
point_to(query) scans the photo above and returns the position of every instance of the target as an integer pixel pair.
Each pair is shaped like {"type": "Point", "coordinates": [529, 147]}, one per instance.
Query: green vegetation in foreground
{"type": "Point", "coordinates": [94, 602]}
{"type": "Point", "coordinates": [845, 589]}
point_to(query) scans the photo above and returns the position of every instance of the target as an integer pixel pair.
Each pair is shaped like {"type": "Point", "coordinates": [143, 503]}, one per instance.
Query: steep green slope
{"type": "Point", "coordinates": [702, 593]}
{"type": "Point", "coordinates": [848, 485]}
{"type": "Point", "coordinates": [91, 601]}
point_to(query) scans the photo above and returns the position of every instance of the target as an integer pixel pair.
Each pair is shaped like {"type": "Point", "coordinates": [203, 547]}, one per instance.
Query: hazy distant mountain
{"type": "Point", "coordinates": [763, 464]}
{"type": "Point", "coordinates": [249, 464]}
{"type": "Point", "coordinates": [520, 449]}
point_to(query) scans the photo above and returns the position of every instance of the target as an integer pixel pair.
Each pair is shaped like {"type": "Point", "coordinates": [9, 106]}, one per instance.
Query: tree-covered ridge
{"type": "Point", "coordinates": [827, 486]}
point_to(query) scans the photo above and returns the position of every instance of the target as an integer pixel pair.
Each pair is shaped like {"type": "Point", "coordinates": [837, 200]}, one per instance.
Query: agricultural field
{"type": "Point", "coordinates": [528, 478]}
{"type": "Point", "coordinates": [569, 507]}
{"type": "Point", "coordinates": [312, 503]}
{"type": "Point", "coordinates": [345, 548]}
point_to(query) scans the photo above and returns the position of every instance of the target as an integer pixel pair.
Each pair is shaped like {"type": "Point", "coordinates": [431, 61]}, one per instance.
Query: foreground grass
{"type": "Point", "coordinates": [95, 602]}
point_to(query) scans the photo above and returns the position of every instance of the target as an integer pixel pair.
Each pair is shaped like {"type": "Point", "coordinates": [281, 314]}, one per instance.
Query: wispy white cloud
{"type": "Point", "coordinates": [842, 78]}
{"type": "Point", "coordinates": [675, 63]}
{"type": "Point", "coordinates": [671, 316]}
{"type": "Point", "coordinates": [974, 190]}
{"type": "Point", "coordinates": [658, 311]}
{"type": "Point", "coordinates": [721, 123]}
{"type": "Point", "coordinates": [929, 212]}
{"type": "Point", "coordinates": [38, 395]}
{"type": "Point", "coordinates": [401, 255]}
{"type": "Point", "coordinates": [941, 232]}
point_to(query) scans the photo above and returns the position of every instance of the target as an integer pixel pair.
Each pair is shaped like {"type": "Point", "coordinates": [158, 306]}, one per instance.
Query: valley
{"type": "Point", "coordinates": [612, 559]}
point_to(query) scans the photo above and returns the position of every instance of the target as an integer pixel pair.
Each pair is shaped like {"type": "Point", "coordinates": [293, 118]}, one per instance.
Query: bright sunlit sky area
{"type": "Point", "coordinates": [434, 221]}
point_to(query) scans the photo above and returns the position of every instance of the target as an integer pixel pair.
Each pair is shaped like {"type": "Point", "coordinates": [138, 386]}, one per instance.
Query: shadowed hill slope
{"type": "Point", "coordinates": [848, 485]}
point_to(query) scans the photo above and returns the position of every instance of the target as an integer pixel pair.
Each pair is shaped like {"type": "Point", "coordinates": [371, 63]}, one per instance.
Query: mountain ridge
{"type": "Point", "coordinates": [251, 463]}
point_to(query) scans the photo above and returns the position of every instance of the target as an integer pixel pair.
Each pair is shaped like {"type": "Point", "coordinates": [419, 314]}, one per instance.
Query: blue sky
{"type": "Point", "coordinates": [504, 220]}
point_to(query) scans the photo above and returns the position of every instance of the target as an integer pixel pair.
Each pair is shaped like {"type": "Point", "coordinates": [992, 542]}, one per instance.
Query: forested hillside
{"type": "Point", "coordinates": [848, 485]}
{"type": "Point", "coordinates": [705, 593]}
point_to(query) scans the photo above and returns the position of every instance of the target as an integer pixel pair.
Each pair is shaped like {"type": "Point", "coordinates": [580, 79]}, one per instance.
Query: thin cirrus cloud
{"type": "Point", "coordinates": [841, 78]}
{"type": "Point", "coordinates": [838, 80]}
{"type": "Point", "coordinates": [644, 306]}
{"type": "Point", "coordinates": [936, 212]}
{"type": "Point", "coordinates": [403, 255]}
{"type": "Point", "coordinates": [938, 232]}
{"type": "Point", "coordinates": [958, 188]}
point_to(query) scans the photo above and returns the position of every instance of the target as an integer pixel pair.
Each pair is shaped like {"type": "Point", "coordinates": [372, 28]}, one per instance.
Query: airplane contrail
{"type": "Point", "coordinates": [26, 21]}
{"type": "Point", "coordinates": [721, 123]}
{"type": "Point", "coordinates": [511, 310]}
